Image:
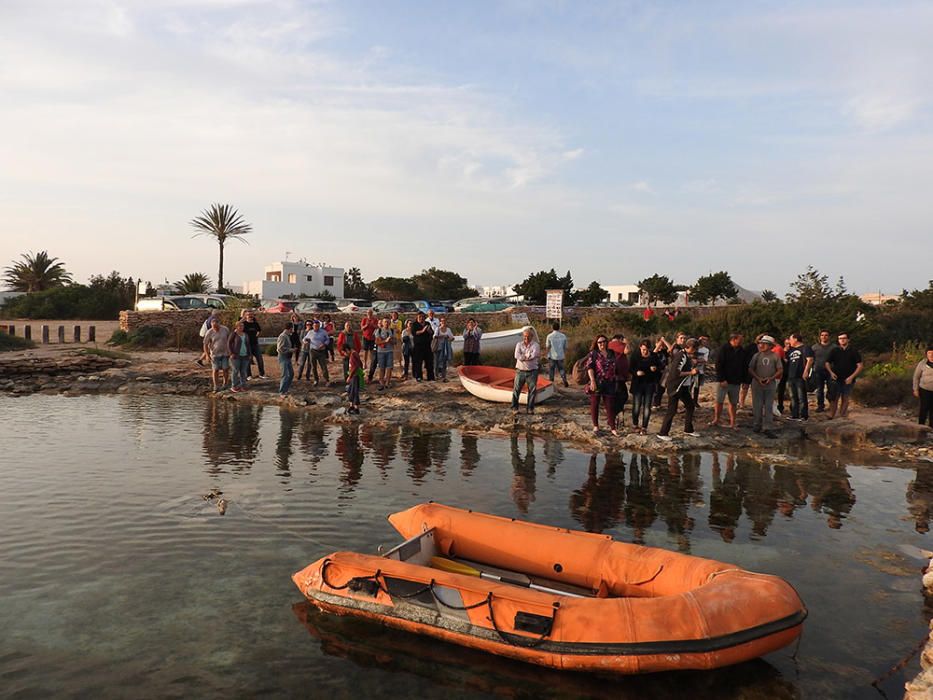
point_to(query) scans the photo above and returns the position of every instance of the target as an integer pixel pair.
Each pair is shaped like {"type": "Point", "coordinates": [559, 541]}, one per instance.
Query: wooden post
{"type": "Point", "coordinates": [92, 334]}
{"type": "Point", "coordinates": [77, 334]}
{"type": "Point", "coordinates": [11, 329]}
{"type": "Point", "coordinates": [27, 332]}
{"type": "Point", "coordinates": [45, 334]}
{"type": "Point", "coordinates": [61, 335]}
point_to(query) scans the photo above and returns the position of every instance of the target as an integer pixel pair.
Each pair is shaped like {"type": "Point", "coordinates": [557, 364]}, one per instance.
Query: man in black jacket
{"type": "Point", "coordinates": [731, 368]}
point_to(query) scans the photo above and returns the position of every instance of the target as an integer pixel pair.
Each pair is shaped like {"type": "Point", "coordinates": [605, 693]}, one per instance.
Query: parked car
{"type": "Point", "coordinates": [483, 306]}
{"type": "Point", "coordinates": [278, 306]}
{"type": "Point", "coordinates": [435, 306]}
{"type": "Point", "coordinates": [402, 307]}
{"type": "Point", "coordinates": [214, 301]}
{"type": "Point", "coordinates": [355, 306]}
{"type": "Point", "coordinates": [317, 307]}
{"type": "Point", "coordinates": [181, 302]}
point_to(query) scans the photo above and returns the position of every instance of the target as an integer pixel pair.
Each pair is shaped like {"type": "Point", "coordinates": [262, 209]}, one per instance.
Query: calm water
{"type": "Point", "coordinates": [117, 579]}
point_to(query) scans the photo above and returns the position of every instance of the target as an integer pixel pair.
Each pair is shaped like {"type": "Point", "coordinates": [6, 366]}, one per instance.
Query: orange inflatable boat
{"type": "Point", "coordinates": [557, 597]}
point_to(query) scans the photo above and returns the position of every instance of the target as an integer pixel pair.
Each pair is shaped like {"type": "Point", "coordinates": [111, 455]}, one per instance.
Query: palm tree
{"type": "Point", "coordinates": [35, 273]}
{"type": "Point", "coordinates": [224, 223]}
{"type": "Point", "coordinates": [194, 283]}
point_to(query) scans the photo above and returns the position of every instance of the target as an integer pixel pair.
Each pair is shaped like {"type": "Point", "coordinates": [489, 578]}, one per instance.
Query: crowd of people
{"type": "Point", "coordinates": [776, 375]}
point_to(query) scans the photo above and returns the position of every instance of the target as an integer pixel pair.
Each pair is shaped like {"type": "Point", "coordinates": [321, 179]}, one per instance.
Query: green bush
{"type": "Point", "coordinates": [9, 343]}
{"type": "Point", "coordinates": [270, 350]}
{"type": "Point", "coordinates": [144, 337]}
{"type": "Point", "coordinates": [74, 301]}
{"type": "Point", "coordinates": [884, 391]}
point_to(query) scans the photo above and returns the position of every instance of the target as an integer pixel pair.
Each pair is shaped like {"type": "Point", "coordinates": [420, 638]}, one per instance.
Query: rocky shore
{"type": "Point", "coordinates": [867, 435]}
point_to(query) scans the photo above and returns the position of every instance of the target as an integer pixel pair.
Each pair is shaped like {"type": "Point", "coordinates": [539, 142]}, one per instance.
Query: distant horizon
{"type": "Point", "coordinates": [490, 137]}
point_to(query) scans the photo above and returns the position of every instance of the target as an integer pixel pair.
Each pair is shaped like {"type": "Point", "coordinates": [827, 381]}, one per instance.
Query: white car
{"type": "Point", "coordinates": [355, 306]}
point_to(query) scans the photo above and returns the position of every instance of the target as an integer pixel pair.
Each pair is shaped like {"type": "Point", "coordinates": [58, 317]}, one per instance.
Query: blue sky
{"type": "Point", "coordinates": [614, 139]}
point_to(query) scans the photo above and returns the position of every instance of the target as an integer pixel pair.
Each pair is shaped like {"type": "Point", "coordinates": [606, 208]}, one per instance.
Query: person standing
{"type": "Point", "coordinates": [368, 327]}
{"type": "Point", "coordinates": [750, 351]}
{"type": "Point", "coordinates": [799, 358]}
{"type": "Point", "coordinates": [421, 357]}
{"type": "Point", "coordinates": [295, 336]}
{"type": "Point", "coordinates": [821, 351]}
{"type": "Point", "coordinates": [406, 343]}
{"type": "Point", "coordinates": [601, 370]}
{"type": "Point", "coordinates": [679, 387]}
{"type": "Point", "coordinates": [765, 368]}
{"type": "Point", "coordinates": [395, 323]}
{"type": "Point", "coordinates": [283, 347]}
{"type": "Point", "coordinates": [385, 352]}
{"type": "Point", "coordinates": [556, 344]}
{"type": "Point", "coordinates": [731, 369]}
{"type": "Point", "coordinates": [239, 356]}
{"type": "Point", "coordinates": [471, 342]}
{"type": "Point", "coordinates": [433, 320]}
{"type": "Point", "coordinates": [217, 348]}
{"type": "Point", "coordinates": [923, 387]}
{"type": "Point", "coordinates": [442, 348]}
{"type": "Point", "coordinates": [844, 365]}
{"type": "Point", "coordinates": [781, 350]}
{"type": "Point", "coordinates": [702, 359]}
{"type": "Point", "coordinates": [304, 356]}
{"type": "Point", "coordinates": [663, 356]}
{"type": "Point", "coordinates": [354, 380]}
{"type": "Point", "coordinates": [253, 329]}
{"type": "Point", "coordinates": [644, 368]}
{"type": "Point", "coordinates": [347, 341]}
{"type": "Point", "coordinates": [328, 325]}
{"type": "Point", "coordinates": [527, 356]}
{"type": "Point", "coordinates": [318, 340]}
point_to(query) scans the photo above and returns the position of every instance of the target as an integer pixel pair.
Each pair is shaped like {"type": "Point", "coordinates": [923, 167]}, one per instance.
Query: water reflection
{"type": "Point", "coordinates": [424, 451]}
{"type": "Point", "coordinates": [920, 498]}
{"type": "Point", "coordinates": [469, 453]}
{"type": "Point", "coordinates": [230, 435]}
{"type": "Point", "coordinates": [523, 472]}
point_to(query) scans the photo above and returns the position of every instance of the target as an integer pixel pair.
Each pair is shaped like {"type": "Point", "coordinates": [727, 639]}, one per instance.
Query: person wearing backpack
{"type": "Point", "coordinates": [601, 370]}
{"type": "Point", "coordinates": [678, 382]}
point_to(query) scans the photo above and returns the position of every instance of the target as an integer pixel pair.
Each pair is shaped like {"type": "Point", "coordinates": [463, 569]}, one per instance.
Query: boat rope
{"type": "Point", "coordinates": [900, 664]}
{"type": "Point", "coordinates": [359, 583]}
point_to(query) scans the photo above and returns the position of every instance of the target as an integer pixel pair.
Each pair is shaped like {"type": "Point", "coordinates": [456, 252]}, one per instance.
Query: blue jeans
{"type": "Point", "coordinates": [440, 364]}
{"type": "Point", "coordinates": [523, 377]}
{"type": "Point", "coordinates": [288, 373]}
{"type": "Point", "coordinates": [642, 398]}
{"type": "Point", "coordinates": [822, 383]}
{"type": "Point", "coordinates": [798, 398]}
{"type": "Point", "coordinates": [240, 370]}
{"type": "Point", "coordinates": [256, 351]}
{"type": "Point", "coordinates": [557, 366]}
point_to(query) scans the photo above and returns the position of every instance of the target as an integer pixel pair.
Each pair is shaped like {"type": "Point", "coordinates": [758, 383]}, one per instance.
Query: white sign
{"type": "Point", "coordinates": [520, 318]}
{"type": "Point", "coordinates": [555, 303]}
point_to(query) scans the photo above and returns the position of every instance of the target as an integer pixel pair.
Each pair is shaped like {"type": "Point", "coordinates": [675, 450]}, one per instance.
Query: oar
{"type": "Point", "coordinates": [455, 567]}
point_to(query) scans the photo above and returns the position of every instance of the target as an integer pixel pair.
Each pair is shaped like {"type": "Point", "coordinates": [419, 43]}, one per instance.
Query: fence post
{"type": "Point", "coordinates": [27, 332]}
{"type": "Point", "coordinates": [11, 329]}
{"type": "Point", "coordinates": [45, 334]}
{"type": "Point", "coordinates": [61, 335]}
{"type": "Point", "coordinates": [77, 334]}
{"type": "Point", "coordinates": [92, 334]}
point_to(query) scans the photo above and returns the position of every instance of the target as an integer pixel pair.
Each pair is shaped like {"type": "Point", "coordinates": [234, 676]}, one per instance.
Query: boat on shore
{"type": "Point", "coordinates": [495, 384]}
{"type": "Point", "coordinates": [496, 340]}
{"type": "Point", "coordinates": [556, 597]}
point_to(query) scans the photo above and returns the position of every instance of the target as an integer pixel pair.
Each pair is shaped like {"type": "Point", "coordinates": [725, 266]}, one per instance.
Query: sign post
{"type": "Point", "coordinates": [554, 307]}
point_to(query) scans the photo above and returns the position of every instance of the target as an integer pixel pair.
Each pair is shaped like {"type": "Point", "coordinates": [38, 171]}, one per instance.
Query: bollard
{"type": "Point", "coordinates": [77, 334]}
{"type": "Point", "coordinates": [11, 329]}
{"type": "Point", "coordinates": [92, 334]}
{"type": "Point", "coordinates": [45, 335]}
{"type": "Point", "coordinates": [61, 335]}
{"type": "Point", "coordinates": [27, 332]}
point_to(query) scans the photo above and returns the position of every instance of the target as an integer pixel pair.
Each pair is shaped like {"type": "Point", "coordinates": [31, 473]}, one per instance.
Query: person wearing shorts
{"type": "Point", "coordinates": [731, 370]}
{"type": "Point", "coordinates": [368, 327]}
{"type": "Point", "coordinates": [844, 365]}
{"type": "Point", "coordinates": [217, 347]}
{"type": "Point", "coordinates": [384, 338]}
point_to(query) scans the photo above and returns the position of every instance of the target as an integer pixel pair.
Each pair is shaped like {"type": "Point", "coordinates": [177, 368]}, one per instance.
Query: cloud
{"type": "Point", "coordinates": [642, 187]}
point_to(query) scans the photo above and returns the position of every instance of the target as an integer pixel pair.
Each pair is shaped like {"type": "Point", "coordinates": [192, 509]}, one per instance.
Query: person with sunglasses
{"type": "Point", "coordinates": [601, 369]}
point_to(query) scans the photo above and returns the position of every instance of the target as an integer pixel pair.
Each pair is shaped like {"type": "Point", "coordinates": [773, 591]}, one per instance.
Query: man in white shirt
{"type": "Point", "coordinates": [527, 355]}
{"type": "Point", "coordinates": [556, 343]}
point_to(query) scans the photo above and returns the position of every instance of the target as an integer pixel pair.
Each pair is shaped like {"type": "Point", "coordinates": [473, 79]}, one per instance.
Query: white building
{"type": "Point", "coordinates": [490, 292]}
{"type": "Point", "coordinates": [286, 278]}
{"type": "Point", "coordinates": [625, 293]}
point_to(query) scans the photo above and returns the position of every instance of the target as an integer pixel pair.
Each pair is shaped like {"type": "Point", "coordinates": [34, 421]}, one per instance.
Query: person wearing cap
{"type": "Point", "coordinates": [766, 370]}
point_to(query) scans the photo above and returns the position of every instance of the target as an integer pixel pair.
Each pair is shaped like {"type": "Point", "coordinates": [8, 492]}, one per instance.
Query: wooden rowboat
{"type": "Point", "coordinates": [495, 384]}
{"type": "Point", "coordinates": [556, 597]}
{"type": "Point", "coordinates": [496, 340]}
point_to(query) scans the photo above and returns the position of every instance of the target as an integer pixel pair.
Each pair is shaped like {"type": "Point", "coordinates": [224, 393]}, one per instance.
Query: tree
{"type": "Point", "coordinates": [768, 297]}
{"type": "Point", "coordinates": [194, 283]}
{"type": "Point", "coordinates": [224, 223]}
{"type": "Point", "coordinates": [442, 284]}
{"type": "Point", "coordinates": [535, 286]}
{"type": "Point", "coordinates": [709, 288]}
{"type": "Point", "coordinates": [354, 287]}
{"type": "Point", "coordinates": [34, 273]}
{"type": "Point", "coordinates": [658, 288]}
{"type": "Point", "coordinates": [594, 294]}
{"type": "Point", "coordinates": [810, 287]}
{"type": "Point", "coordinates": [394, 288]}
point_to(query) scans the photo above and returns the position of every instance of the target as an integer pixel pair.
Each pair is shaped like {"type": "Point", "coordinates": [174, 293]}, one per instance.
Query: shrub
{"type": "Point", "coordinates": [884, 391]}
{"type": "Point", "coordinates": [9, 343]}
{"type": "Point", "coordinates": [144, 337]}
{"type": "Point", "coordinates": [270, 350]}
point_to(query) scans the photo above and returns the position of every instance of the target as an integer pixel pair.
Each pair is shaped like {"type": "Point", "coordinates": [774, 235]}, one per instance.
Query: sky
{"type": "Point", "coordinates": [613, 139]}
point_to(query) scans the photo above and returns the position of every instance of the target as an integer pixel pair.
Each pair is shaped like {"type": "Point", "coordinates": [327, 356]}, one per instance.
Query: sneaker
{"type": "Point", "coordinates": [566, 385]}
{"type": "Point", "coordinates": [692, 434]}
{"type": "Point", "coordinates": [665, 438]}
{"type": "Point", "coordinates": [199, 362]}
{"type": "Point", "coordinates": [262, 376]}
{"type": "Point", "coordinates": [820, 409]}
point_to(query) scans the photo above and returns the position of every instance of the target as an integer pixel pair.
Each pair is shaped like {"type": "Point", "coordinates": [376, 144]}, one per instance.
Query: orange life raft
{"type": "Point", "coordinates": [573, 600]}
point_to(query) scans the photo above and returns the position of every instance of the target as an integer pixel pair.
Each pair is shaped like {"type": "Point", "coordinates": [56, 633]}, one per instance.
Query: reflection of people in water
{"type": "Point", "coordinates": [288, 419]}
{"type": "Point", "coordinates": [831, 494]}
{"type": "Point", "coordinates": [640, 511]}
{"type": "Point", "coordinates": [553, 455]}
{"type": "Point", "coordinates": [422, 450]}
{"type": "Point", "coordinates": [312, 437]}
{"type": "Point", "coordinates": [382, 442]}
{"type": "Point", "coordinates": [523, 473]}
{"type": "Point", "coordinates": [597, 505]}
{"type": "Point", "coordinates": [351, 455]}
{"type": "Point", "coordinates": [725, 499]}
{"type": "Point", "coordinates": [469, 453]}
{"type": "Point", "coordinates": [676, 486]}
{"type": "Point", "coordinates": [792, 493]}
{"type": "Point", "coordinates": [761, 495]}
{"type": "Point", "coordinates": [230, 434]}
{"type": "Point", "coordinates": [920, 498]}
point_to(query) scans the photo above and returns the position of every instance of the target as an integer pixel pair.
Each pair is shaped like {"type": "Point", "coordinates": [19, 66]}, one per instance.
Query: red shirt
{"type": "Point", "coordinates": [649, 312]}
{"type": "Point", "coordinates": [342, 343]}
{"type": "Point", "coordinates": [368, 326]}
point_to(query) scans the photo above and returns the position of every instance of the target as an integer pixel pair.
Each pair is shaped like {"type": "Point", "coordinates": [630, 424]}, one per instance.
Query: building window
{"type": "Point", "coordinates": [328, 280]}
{"type": "Point", "coordinates": [309, 278]}
{"type": "Point", "coordinates": [273, 277]}
{"type": "Point", "coordinates": [292, 278]}
{"type": "Point", "coordinates": [633, 297]}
